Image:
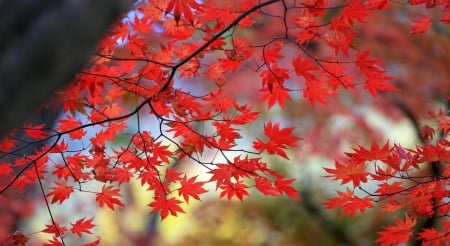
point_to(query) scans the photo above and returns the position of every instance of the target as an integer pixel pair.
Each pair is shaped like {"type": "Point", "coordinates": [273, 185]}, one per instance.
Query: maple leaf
{"type": "Point", "coordinates": [374, 153]}
{"type": "Point", "coordinates": [36, 132]}
{"type": "Point", "coordinates": [141, 25]}
{"type": "Point", "coordinates": [275, 95]}
{"type": "Point", "coordinates": [285, 186]}
{"type": "Point", "coordinates": [279, 139]}
{"type": "Point", "coordinates": [377, 81]}
{"type": "Point", "coordinates": [17, 238]}
{"type": "Point", "coordinates": [152, 10]}
{"type": "Point", "coordinates": [444, 124]}
{"type": "Point", "coordinates": [353, 171]}
{"type": "Point", "coordinates": [421, 25]}
{"type": "Point", "coordinates": [121, 175]}
{"type": "Point", "coordinates": [354, 11]}
{"type": "Point", "coordinates": [304, 67]}
{"type": "Point", "coordinates": [172, 175]}
{"type": "Point", "coordinates": [396, 234]}
{"type": "Point", "coordinates": [82, 225]}
{"type": "Point", "coordinates": [5, 169]}
{"type": "Point", "coordinates": [339, 200]}
{"type": "Point", "coordinates": [191, 188]}
{"type": "Point", "coordinates": [387, 190]}
{"type": "Point", "coordinates": [166, 206]}
{"type": "Point", "coordinates": [221, 174]}
{"type": "Point", "coordinates": [53, 242]}
{"type": "Point", "coordinates": [349, 202]}
{"type": "Point", "coordinates": [272, 52]}
{"type": "Point", "coordinates": [433, 237]}
{"type": "Point", "coordinates": [376, 4]}
{"type": "Point", "coordinates": [69, 124]}
{"type": "Point", "coordinates": [274, 77]}
{"type": "Point", "coordinates": [238, 189]}
{"type": "Point", "coordinates": [266, 187]}
{"type": "Point", "coordinates": [227, 134]}
{"type": "Point", "coordinates": [339, 40]}
{"type": "Point", "coordinates": [316, 91]}
{"type": "Point", "coordinates": [108, 197]}
{"type": "Point", "coordinates": [61, 192]}
{"type": "Point", "coordinates": [93, 243]}
{"type": "Point", "coordinates": [184, 7]}
{"type": "Point", "coordinates": [356, 203]}
{"type": "Point", "coordinates": [55, 229]}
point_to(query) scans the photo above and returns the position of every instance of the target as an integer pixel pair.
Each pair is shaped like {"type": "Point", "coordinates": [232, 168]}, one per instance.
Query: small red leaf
{"type": "Point", "coordinates": [190, 188]}
{"type": "Point", "coordinates": [166, 206]}
{"type": "Point", "coordinates": [421, 25]}
{"type": "Point", "coordinates": [234, 189]}
{"type": "Point", "coordinates": [61, 192]}
{"type": "Point", "coordinates": [108, 197]}
{"type": "Point", "coordinates": [396, 234]}
{"type": "Point", "coordinates": [82, 225]}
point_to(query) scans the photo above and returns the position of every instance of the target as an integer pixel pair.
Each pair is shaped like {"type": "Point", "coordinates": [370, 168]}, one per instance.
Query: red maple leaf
{"type": "Point", "coordinates": [17, 238]}
{"type": "Point", "coordinates": [356, 203]}
{"type": "Point", "coordinates": [61, 192]}
{"type": "Point", "coordinates": [316, 91]}
{"type": "Point", "coordinates": [266, 187]}
{"type": "Point", "coordinates": [272, 52]}
{"type": "Point", "coordinates": [339, 200]}
{"type": "Point", "coordinates": [108, 197]}
{"type": "Point", "coordinates": [56, 229]}
{"type": "Point", "coordinates": [396, 234]}
{"type": "Point", "coordinates": [376, 4]}
{"type": "Point", "coordinates": [238, 189]}
{"type": "Point", "coordinates": [6, 169]}
{"type": "Point", "coordinates": [339, 40]}
{"type": "Point", "coordinates": [421, 24]}
{"type": "Point", "coordinates": [285, 186]}
{"type": "Point", "coordinates": [184, 7]}
{"type": "Point", "coordinates": [82, 225]}
{"type": "Point", "coordinates": [121, 175]}
{"type": "Point", "coordinates": [353, 171]}
{"type": "Point", "coordinates": [70, 124]}
{"type": "Point", "coordinates": [279, 139]}
{"type": "Point", "coordinates": [190, 188]}
{"type": "Point", "coordinates": [93, 243]}
{"type": "Point", "coordinates": [354, 10]}
{"type": "Point", "coordinates": [362, 154]}
{"type": "Point", "coordinates": [276, 76]}
{"type": "Point", "coordinates": [172, 175]}
{"type": "Point", "coordinates": [304, 67]}
{"type": "Point", "coordinates": [444, 125]}
{"type": "Point", "coordinates": [36, 132]}
{"type": "Point", "coordinates": [433, 237]}
{"type": "Point", "coordinates": [166, 206]}
{"type": "Point", "coordinates": [275, 95]}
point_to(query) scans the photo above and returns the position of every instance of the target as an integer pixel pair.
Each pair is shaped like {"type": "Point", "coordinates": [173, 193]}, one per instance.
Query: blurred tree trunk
{"type": "Point", "coordinates": [43, 44]}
